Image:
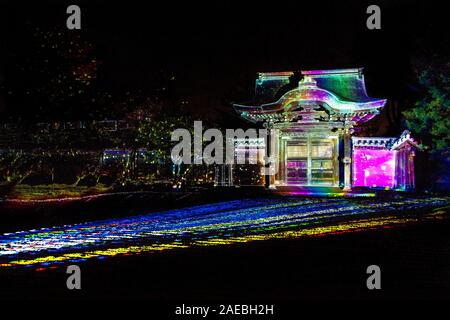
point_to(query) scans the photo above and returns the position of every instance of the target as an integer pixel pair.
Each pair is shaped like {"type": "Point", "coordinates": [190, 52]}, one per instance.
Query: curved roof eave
{"type": "Point", "coordinates": [315, 94]}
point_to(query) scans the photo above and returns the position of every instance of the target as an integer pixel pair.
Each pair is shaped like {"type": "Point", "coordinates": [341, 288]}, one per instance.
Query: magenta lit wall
{"type": "Point", "coordinates": [373, 167]}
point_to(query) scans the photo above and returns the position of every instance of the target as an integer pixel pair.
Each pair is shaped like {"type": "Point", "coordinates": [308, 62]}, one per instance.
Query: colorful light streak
{"type": "Point", "coordinates": [207, 225]}
{"type": "Point", "coordinates": [67, 199]}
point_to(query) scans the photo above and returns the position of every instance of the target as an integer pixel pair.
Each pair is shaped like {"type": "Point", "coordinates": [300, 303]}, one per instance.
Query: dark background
{"type": "Point", "coordinates": [209, 51]}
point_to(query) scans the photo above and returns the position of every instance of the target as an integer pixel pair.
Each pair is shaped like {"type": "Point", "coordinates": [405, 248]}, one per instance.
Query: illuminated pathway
{"type": "Point", "coordinates": [212, 224]}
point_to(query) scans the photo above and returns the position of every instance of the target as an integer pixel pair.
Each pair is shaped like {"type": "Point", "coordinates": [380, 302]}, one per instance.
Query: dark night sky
{"type": "Point", "coordinates": [214, 48]}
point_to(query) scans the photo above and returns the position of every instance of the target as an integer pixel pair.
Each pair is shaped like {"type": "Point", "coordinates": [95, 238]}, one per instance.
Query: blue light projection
{"type": "Point", "coordinates": [212, 224]}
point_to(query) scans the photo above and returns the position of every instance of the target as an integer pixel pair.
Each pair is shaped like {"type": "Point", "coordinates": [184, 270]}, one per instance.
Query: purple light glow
{"type": "Point", "coordinates": [373, 167]}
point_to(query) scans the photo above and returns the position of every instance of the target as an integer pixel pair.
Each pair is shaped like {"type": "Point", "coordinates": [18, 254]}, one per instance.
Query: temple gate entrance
{"type": "Point", "coordinates": [311, 162]}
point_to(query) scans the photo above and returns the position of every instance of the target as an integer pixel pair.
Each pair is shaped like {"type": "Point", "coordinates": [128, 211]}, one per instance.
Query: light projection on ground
{"type": "Point", "coordinates": [223, 223]}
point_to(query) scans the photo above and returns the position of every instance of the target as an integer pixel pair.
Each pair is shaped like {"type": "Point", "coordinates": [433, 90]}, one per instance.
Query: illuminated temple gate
{"type": "Point", "coordinates": [315, 120]}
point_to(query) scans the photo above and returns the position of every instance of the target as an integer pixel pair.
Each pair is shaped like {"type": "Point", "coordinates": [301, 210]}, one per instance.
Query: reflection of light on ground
{"type": "Point", "coordinates": [207, 225]}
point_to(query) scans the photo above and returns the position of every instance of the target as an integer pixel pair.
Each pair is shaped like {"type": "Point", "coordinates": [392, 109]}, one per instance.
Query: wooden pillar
{"type": "Point", "coordinates": [281, 161]}
{"type": "Point", "coordinates": [347, 160]}
{"type": "Point", "coordinates": [230, 175]}
{"type": "Point", "coordinates": [412, 182]}
{"type": "Point", "coordinates": [267, 163]}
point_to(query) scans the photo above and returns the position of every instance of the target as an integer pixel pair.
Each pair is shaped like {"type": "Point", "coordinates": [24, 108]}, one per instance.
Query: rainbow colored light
{"type": "Point", "coordinates": [222, 223]}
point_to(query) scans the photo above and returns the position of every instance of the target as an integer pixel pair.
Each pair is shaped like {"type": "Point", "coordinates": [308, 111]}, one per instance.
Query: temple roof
{"type": "Point", "coordinates": [389, 143]}
{"type": "Point", "coordinates": [340, 91]}
{"type": "Point", "coordinates": [348, 84]}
